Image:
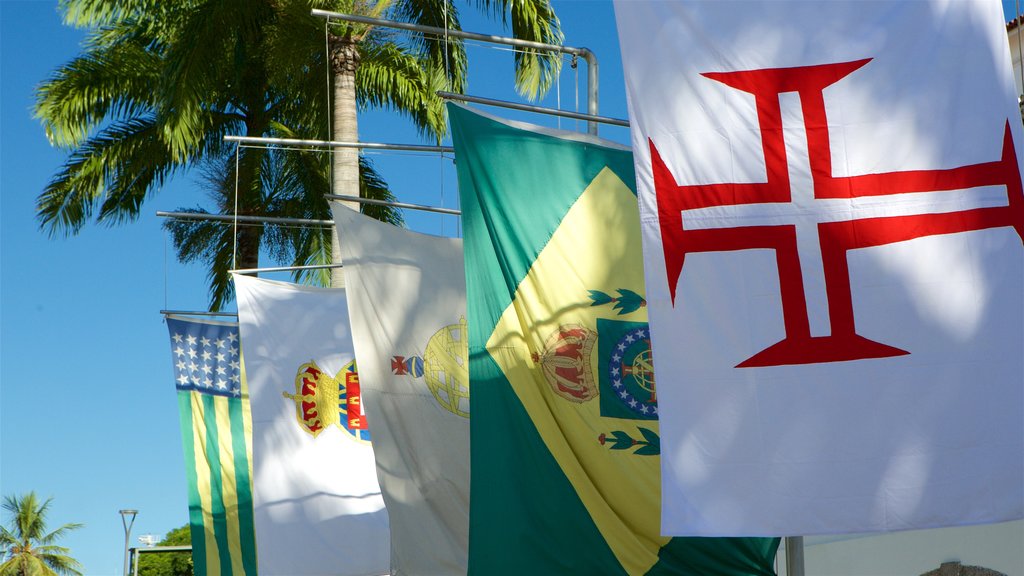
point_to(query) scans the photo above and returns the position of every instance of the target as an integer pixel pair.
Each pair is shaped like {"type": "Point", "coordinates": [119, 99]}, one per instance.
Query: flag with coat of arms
{"type": "Point", "coordinates": [566, 438]}
{"type": "Point", "coordinates": [318, 507]}
{"type": "Point", "coordinates": [832, 219]}
{"type": "Point", "coordinates": [407, 302]}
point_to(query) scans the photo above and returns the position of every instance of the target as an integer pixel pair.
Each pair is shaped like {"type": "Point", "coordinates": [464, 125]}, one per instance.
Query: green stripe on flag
{"type": "Point", "coordinates": [195, 504]}
{"type": "Point", "coordinates": [220, 528]}
{"type": "Point", "coordinates": [522, 540]}
{"type": "Point", "coordinates": [701, 556]}
{"type": "Point", "coordinates": [243, 482]}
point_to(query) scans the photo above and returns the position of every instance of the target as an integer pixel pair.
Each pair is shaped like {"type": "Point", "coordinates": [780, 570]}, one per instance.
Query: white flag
{"type": "Point", "coordinates": [318, 506]}
{"type": "Point", "coordinates": [832, 216]}
{"type": "Point", "coordinates": [407, 301]}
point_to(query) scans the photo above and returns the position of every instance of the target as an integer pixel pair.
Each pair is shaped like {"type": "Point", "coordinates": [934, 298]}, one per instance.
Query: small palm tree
{"type": "Point", "coordinates": [25, 546]}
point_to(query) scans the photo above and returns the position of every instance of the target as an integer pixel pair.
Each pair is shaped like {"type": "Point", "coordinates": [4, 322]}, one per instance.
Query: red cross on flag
{"type": "Point", "coordinates": [833, 227]}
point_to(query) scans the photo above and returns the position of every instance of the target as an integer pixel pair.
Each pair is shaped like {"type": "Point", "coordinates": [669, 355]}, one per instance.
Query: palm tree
{"type": "Point", "coordinates": [160, 83]}
{"type": "Point", "coordinates": [27, 549]}
{"type": "Point", "coordinates": [359, 53]}
{"type": "Point", "coordinates": [158, 86]}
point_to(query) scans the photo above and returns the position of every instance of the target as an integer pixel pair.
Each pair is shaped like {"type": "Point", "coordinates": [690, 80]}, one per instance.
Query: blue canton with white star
{"type": "Point", "coordinates": [206, 357]}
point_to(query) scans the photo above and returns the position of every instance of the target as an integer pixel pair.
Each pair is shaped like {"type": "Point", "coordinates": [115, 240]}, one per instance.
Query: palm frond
{"type": "Point", "coordinates": [391, 78]}
{"type": "Point", "coordinates": [211, 243]}
{"type": "Point", "coordinates": [213, 63]}
{"type": "Point", "coordinates": [372, 185]}
{"type": "Point", "coordinates": [448, 53]}
{"type": "Point", "coordinates": [233, 187]}
{"type": "Point", "coordinates": [114, 82]}
{"type": "Point", "coordinates": [533, 20]}
{"type": "Point", "coordinates": [92, 13]}
{"type": "Point", "coordinates": [114, 170]}
{"type": "Point", "coordinates": [31, 549]}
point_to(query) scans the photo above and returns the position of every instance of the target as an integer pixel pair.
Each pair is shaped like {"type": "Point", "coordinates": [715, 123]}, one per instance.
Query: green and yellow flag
{"type": "Point", "coordinates": [564, 436]}
{"type": "Point", "coordinates": [216, 430]}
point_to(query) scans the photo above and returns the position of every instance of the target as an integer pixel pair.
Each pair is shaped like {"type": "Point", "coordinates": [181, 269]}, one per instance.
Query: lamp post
{"type": "Point", "coordinates": [127, 523]}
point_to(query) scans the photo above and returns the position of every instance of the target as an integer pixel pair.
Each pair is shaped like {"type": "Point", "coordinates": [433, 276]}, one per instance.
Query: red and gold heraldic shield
{"type": "Point", "coordinates": [321, 400]}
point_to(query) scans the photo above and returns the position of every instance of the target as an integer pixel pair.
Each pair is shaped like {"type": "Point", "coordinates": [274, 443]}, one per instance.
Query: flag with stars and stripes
{"type": "Point", "coordinates": [560, 364]}
{"type": "Point", "coordinates": [213, 407]}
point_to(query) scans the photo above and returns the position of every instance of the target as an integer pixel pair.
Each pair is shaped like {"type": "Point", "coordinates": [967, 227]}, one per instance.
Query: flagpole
{"type": "Point", "coordinates": [376, 202]}
{"type": "Point", "coordinates": [190, 313]}
{"type": "Point", "coordinates": [285, 268]}
{"type": "Point", "coordinates": [591, 118]}
{"type": "Point", "coordinates": [244, 219]}
{"type": "Point", "coordinates": [299, 142]}
{"type": "Point", "coordinates": [794, 556]}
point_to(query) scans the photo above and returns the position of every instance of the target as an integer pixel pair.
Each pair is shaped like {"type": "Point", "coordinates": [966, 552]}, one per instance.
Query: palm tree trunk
{"type": "Point", "coordinates": [345, 128]}
{"type": "Point", "coordinates": [250, 203]}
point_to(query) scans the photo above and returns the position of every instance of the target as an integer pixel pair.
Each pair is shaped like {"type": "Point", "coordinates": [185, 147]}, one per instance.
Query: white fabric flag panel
{"type": "Point", "coordinates": [832, 216]}
{"type": "Point", "coordinates": [318, 506]}
{"type": "Point", "coordinates": [407, 301]}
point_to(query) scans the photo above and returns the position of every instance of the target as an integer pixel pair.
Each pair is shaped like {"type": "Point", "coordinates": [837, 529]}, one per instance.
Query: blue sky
{"type": "Point", "coordinates": [87, 403]}
{"type": "Point", "coordinates": [88, 412]}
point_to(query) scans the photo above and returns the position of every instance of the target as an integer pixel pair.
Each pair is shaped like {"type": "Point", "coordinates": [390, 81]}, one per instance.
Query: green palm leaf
{"type": "Point", "coordinates": [29, 548]}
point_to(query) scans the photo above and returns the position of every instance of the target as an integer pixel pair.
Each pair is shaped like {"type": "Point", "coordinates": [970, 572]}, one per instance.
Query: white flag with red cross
{"type": "Point", "coordinates": [832, 213]}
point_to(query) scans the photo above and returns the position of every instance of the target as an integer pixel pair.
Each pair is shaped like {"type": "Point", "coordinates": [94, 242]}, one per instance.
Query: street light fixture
{"type": "Point", "coordinates": [127, 523]}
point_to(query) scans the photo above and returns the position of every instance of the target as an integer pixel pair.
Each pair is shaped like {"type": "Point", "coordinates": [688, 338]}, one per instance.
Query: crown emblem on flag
{"type": "Point", "coordinates": [565, 362]}
{"type": "Point", "coordinates": [322, 400]}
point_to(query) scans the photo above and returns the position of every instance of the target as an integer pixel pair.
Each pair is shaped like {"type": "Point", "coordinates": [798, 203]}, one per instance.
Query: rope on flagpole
{"type": "Point", "coordinates": [330, 93]}
{"type": "Point", "coordinates": [1020, 58]}
{"type": "Point", "coordinates": [447, 81]}
{"type": "Point", "coordinates": [234, 241]}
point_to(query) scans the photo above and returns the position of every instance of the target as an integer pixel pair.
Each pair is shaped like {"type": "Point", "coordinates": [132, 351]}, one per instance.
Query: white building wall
{"type": "Point", "coordinates": [1015, 35]}
{"type": "Point", "coordinates": [995, 546]}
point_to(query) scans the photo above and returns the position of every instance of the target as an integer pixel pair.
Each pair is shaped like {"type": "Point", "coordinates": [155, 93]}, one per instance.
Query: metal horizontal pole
{"type": "Point", "coordinates": [375, 202]}
{"type": "Point", "coordinates": [585, 53]}
{"type": "Point", "coordinates": [190, 313]}
{"type": "Point", "coordinates": [449, 32]}
{"type": "Point", "coordinates": [246, 219]}
{"type": "Point", "coordinates": [152, 549]}
{"type": "Point", "coordinates": [284, 268]}
{"type": "Point", "coordinates": [335, 144]}
{"type": "Point", "coordinates": [532, 108]}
